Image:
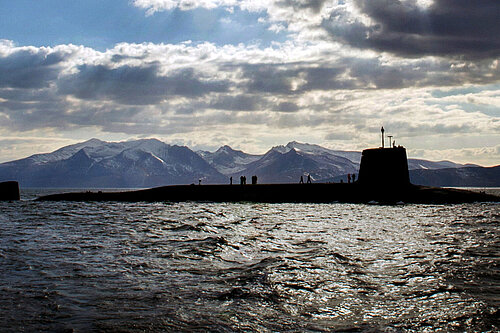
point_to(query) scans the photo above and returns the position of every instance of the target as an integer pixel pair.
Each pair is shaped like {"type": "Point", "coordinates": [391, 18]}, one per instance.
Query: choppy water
{"type": "Point", "coordinates": [248, 267]}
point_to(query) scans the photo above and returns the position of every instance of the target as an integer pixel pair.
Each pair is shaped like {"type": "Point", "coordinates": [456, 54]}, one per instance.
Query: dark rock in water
{"type": "Point", "coordinates": [9, 191]}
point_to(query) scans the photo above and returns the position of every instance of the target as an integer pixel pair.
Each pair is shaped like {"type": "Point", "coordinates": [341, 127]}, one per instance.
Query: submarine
{"type": "Point", "coordinates": [383, 178]}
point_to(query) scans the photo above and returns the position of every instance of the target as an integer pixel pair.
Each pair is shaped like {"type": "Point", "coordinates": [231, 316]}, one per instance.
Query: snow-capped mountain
{"type": "Point", "coordinates": [465, 177]}
{"type": "Point", "coordinates": [281, 163]}
{"type": "Point", "coordinates": [95, 163]}
{"type": "Point", "coordinates": [150, 162]}
{"type": "Point", "coordinates": [355, 156]}
{"type": "Point", "coordinates": [289, 162]}
{"type": "Point", "coordinates": [286, 164]}
{"type": "Point", "coordinates": [417, 164]}
{"type": "Point", "coordinates": [227, 160]}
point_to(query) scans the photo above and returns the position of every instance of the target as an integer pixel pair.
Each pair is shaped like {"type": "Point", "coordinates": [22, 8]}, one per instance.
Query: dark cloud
{"type": "Point", "coordinates": [409, 129]}
{"type": "Point", "coordinates": [280, 80]}
{"type": "Point", "coordinates": [340, 136]}
{"type": "Point", "coordinates": [287, 107]}
{"type": "Point", "coordinates": [371, 73]}
{"type": "Point", "coordinates": [294, 78]}
{"type": "Point", "coordinates": [447, 28]}
{"type": "Point", "coordinates": [105, 116]}
{"type": "Point", "coordinates": [242, 102]}
{"type": "Point", "coordinates": [27, 109]}
{"type": "Point", "coordinates": [113, 98]}
{"type": "Point", "coordinates": [28, 69]}
{"type": "Point", "coordinates": [29, 116]}
{"type": "Point", "coordinates": [271, 79]}
{"type": "Point", "coordinates": [365, 73]}
{"type": "Point", "coordinates": [63, 115]}
{"type": "Point", "coordinates": [326, 78]}
{"type": "Point", "coordinates": [121, 57]}
{"type": "Point", "coordinates": [237, 103]}
{"type": "Point", "coordinates": [29, 95]}
{"type": "Point", "coordinates": [314, 5]}
{"type": "Point", "coordinates": [135, 85]}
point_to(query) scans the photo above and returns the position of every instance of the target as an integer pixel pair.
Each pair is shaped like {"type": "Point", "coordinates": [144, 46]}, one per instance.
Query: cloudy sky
{"type": "Point", "coordinates": [252, 74]}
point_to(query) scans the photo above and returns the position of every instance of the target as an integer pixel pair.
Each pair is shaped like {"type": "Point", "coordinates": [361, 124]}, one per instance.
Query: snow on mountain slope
{"type": "Point", "coordinates": [281, 163]}
{"type": "Point", "coordinates": [463, 177]}
{"type": "Point", "coordinates": [328, 163]}
{"type": "Point", "coordinates": [414, 164]}
{"type": "Point", "coordinates": [150, 162]}
{"type": "Point", "coordinates": [227, 160]}
{"type": "Point", "coordinates": [64, 153]}
{"type": "Point", "coordinates": [95, 163]}
{"type": "Point", "coordinates": [286, 164]}
{"type": "Point", "coordinates": [98, 150]}
{"type": "Point", "coordinates": [354, 156]}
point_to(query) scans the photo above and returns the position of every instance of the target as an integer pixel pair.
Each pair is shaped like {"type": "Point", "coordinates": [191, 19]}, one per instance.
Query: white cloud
{"type": "Point", "coordinates": [153, 6]}
{"type": "Point", "coordinates": [481, 155]}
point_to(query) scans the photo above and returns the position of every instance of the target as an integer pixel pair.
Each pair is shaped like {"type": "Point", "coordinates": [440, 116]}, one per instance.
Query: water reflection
{"type": "Point", "coordinates": [257, 267]}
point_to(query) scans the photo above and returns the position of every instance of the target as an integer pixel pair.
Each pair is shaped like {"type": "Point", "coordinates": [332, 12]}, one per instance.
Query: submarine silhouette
{"type": "Point", "coordinates": [383, 178]}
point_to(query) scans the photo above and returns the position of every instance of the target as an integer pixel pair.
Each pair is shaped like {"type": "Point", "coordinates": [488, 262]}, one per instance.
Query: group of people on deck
{"type": "Point", "coordinates": [308, 179]}
{"type": "Point", "coordinates": [243, 179]}
{"type": "Point", "coordinates": [350, 178]}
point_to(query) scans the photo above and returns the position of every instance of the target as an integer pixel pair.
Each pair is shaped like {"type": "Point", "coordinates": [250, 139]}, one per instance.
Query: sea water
{"type": "Point", "coordinates": [134, 267]}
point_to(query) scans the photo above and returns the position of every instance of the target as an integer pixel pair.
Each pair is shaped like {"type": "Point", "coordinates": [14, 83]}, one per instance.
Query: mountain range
{"type": "Point", "coordinates": [150, 162]}
{"type": "Point", "coordinates": [99, 164]}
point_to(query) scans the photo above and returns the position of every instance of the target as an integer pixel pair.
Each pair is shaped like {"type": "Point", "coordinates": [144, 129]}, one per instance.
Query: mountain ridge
{"type": "Point", "coordinates": [95, 163]}
{"type": "Point", "coordinates": [151, 162]}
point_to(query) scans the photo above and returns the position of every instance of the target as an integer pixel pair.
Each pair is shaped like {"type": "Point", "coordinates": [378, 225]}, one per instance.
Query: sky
{"type": "Point", "coordinates": [252, 74]}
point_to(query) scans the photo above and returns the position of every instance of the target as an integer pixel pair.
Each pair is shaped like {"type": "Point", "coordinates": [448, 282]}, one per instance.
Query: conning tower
{"type": "Point", "coordinates": [384, 168]}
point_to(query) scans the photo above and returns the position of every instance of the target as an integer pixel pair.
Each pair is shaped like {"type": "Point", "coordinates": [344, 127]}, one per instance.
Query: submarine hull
{"type": "Point", "coordinates": [281, 193]}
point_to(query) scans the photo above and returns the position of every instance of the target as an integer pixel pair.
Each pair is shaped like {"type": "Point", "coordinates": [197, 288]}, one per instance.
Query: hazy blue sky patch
{"type": "Point", "coordinates": [439, 93]}
{"type": "Point", "coordinates": [101, 24]}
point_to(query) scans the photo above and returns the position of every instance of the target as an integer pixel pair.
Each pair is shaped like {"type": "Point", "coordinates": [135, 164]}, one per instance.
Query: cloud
{"type": "Point", "coordinates": [269, 78]}
{"type": "Point", "coordinates": [407, 28]}
{"type": "Point", "coordinates": [30, 68]}
{"type": "Point", "coordinates": [287, 107]}
{"type": "Point", "coordinates": [420, 67]}
{"type": "Point", "coordinates": [136, 85]}
{"type": "Point", "coordinates": [450, 28]}
{"type": "Point", "coordinates": [481, 156]}
{"type": "Point", "coordinates": [237, 103]}
{"type": "Point", "coordinates": [200, 91]}
{"type": "Point", "coordinates": [12, 148]}
{"type": "Point", "coordinates": [350, 73]}
{"type": "Point", "coordinates": [153, 6]}
{"type": "Point", "coordinates": [298, 16]}
{"type": "Point", "coordinates": [314, 5]}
